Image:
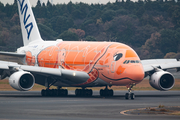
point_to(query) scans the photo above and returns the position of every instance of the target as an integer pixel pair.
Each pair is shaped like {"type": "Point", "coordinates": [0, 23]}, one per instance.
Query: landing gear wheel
{"type": "Point", "coordinates": [54, 92]}
{"type": "Point", "coordinates": [106, 92]}
{"type": "Point", "coordinates": [83, 92]}
{"type": "Point", "coordinates": [43, 92]}
{"type": "Point", "coordinates": [127, 96]}
{"type": "Point", "coordinates": [132, 96]}
{"type": "Point", "coordinates": [62, 92]}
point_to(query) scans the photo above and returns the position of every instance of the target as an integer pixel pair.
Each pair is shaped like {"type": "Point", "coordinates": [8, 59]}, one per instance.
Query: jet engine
{"type": "Point", "coordinates": [22, 80]}
{"type": "Point", "coordinates": [162, 80]}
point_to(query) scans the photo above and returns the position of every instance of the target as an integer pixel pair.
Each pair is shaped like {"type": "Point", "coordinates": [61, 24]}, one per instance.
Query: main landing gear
{"type": "Point", "coordinates": [106, 92]}
{"type": "Point", "coordinates": [130, 95]}
{"type": "Point", "coordinates": [83, 92]}
{"type": "Point", "coordinates": [54, 92]}
{"type": "Point", "coordinates": [64, 92]}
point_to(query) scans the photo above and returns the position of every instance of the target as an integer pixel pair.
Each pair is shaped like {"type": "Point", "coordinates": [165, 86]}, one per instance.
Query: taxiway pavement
{"type": "Point", "coordinates": [30, 105]}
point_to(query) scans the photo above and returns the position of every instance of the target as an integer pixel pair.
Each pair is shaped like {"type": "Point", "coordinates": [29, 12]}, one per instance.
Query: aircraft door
{"type": "Point", "coordinates": [61, 56]}
{"type": "Point", "coordinates": [113, 66]}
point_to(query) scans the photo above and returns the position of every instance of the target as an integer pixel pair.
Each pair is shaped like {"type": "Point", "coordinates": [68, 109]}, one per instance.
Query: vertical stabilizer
{"type": "Point", "coordinates": [30, 31]}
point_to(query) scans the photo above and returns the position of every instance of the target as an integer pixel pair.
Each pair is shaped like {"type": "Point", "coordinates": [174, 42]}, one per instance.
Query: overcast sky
{"type": "Point", "coordinates": [33, 2]}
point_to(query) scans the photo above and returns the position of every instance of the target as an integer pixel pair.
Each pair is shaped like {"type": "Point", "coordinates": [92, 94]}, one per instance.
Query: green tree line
{"type": "Point", "coordinates": [152, 28]}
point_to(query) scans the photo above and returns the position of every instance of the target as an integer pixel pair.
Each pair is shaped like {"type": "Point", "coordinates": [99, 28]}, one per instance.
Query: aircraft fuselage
{"type": "Point", "coordinates": [110, 62]}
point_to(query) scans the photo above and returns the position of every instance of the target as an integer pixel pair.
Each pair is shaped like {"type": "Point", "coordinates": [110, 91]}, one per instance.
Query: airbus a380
{"type": "Point", "coordinates": [78, 64]}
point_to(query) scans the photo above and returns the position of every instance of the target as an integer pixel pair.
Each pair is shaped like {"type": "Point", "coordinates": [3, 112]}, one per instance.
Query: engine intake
{"type": "Point", "coordinates": [162, 80]}
{"type": "Point", "coordinates": [22, 80]}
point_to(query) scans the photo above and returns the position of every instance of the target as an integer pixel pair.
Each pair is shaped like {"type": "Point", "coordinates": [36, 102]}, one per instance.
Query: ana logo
{"type": "Point", "coordinates": [23, 11]}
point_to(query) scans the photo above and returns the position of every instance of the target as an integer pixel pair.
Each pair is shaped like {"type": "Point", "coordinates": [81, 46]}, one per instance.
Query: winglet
{"type": "Point", "coordinates": [30, 31]}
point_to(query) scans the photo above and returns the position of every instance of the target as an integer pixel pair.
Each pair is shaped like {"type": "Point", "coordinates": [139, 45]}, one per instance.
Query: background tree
{"type": "Point", "coordinates": [150, 27]}
{"type": "Point", "coordinates": [90, 38]}
{"type": "Point", "coordinates": [68, 36]}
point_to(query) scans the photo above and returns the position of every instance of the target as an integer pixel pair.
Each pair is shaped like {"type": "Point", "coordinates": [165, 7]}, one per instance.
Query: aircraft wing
{"type": "Point", "coordinates": [150, 65]}
{"type": "Point", "coordinates": [69, 76]}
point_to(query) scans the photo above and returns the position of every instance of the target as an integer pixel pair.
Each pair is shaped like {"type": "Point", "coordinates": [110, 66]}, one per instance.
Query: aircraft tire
{"type": "Point", "coordinates": [106, 92]}
{"type": "Point", "coordinates": [54, 92]}
{"type": "Point", "coordinates": [43, 92]}
{"type": "Point", "coordinates": [127, 96]}
{"type": "Point", "coordinates": [132, 96]}
{"type": "Point", "coordinates": [83, 92]}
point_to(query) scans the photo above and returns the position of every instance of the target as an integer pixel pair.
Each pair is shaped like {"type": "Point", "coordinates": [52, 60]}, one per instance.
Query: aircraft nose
{"type": "Point", "coordinates": [136, 72]}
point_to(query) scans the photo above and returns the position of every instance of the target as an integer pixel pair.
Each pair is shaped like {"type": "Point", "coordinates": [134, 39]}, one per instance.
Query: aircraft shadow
{"type": "Point", "coordinates": [38, 95]}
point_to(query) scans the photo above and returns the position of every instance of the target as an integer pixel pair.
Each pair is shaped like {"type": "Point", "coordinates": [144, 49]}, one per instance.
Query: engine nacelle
{"type": "Point", "coordinates": [162, 80]}
{"type": "Point", "coordinates": [22, 80]}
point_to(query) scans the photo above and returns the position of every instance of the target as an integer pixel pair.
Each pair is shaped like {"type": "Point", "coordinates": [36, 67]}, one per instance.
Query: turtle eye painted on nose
{"type": "Point", "coordinates": [117, 56]}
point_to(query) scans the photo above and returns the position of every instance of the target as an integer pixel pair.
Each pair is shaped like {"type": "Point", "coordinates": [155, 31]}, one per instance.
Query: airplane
{"type": "Point", "coordinates": [78, 64]}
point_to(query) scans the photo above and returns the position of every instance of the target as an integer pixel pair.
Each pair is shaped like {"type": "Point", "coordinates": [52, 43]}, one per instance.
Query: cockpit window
{"type": "Point", "coordinates": [137, 61]}
{"type": "Point", "coordinates": [124, 62]}
{"type": "Point", "coordinates": [131, 61]}
{"type": "Point", "coordinates": [117, 56]}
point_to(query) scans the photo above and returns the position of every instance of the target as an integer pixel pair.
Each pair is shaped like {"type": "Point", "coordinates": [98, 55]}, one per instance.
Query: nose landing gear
{"type": "Point", "coordinates": [130, 95]}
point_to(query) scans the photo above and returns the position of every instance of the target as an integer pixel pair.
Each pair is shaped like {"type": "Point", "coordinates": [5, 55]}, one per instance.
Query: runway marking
{"type": "Point", "coordinates": [165, 110]}
{"type": "Point", "coordinates": [124, 112]}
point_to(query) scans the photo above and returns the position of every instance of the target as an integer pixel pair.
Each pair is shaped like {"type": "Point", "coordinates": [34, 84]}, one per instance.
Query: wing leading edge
{"type": "Point", "coordinates": [150, 65]}
{"type": "Point", "coordinates": [67, 76]}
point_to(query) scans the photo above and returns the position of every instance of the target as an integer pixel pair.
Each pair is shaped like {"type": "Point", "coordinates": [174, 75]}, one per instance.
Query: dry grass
{"type": "Point", "coordinates": [164, 110]}
{"type": "Point", "coordinates": [157, 110]}
{"type": "Point", "coordinates": [161, 106]}
{"type": "Point", "coordinates": [152, 109]}
{"type": "Point", "coordinates": [175, 113]}
{"type": "Point", "coordinates": [144, 85]}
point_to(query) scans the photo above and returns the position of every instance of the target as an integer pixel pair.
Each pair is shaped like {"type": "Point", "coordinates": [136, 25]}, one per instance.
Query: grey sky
{"type": "Point", "coordinates": [33, 2]}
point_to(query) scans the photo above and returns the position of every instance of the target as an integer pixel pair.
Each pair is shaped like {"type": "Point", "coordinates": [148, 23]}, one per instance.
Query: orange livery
{"type": "Point", "coordinates": [79, 64]}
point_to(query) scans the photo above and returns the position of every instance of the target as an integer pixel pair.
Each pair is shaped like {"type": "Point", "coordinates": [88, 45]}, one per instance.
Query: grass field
{"type": "Point", "coordinates": [144, 85]}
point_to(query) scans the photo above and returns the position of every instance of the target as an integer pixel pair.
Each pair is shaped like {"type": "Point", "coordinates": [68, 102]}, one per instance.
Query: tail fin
{"type": "Point", "coordinates": [30, 31]}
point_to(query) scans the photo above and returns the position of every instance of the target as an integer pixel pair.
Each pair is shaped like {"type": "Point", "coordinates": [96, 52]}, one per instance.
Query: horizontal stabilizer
{"type": "Point", "coordinates": [13, 54]}
{"type": "Point", "coordinates": [12, 57]}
